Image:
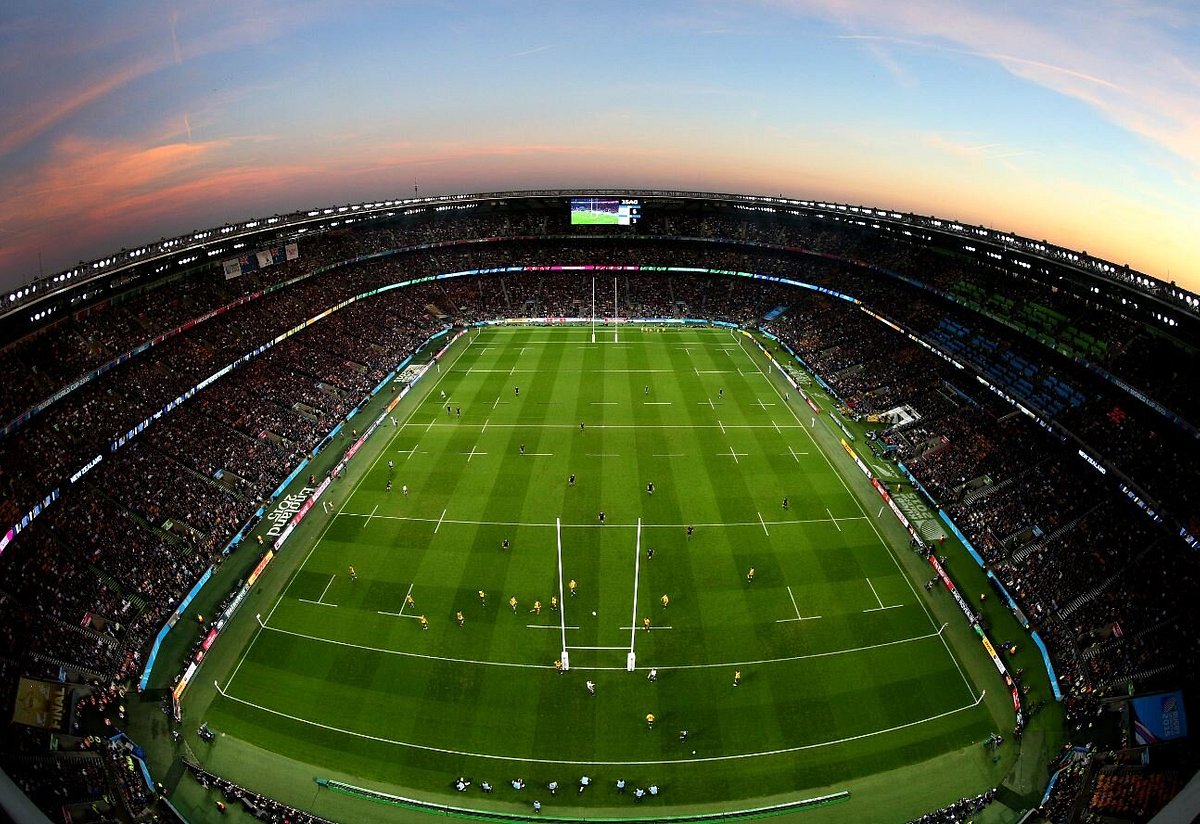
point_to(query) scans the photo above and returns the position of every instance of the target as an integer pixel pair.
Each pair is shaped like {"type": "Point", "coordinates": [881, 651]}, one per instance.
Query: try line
{"type": "Point", "coordinates": [520, 665]}
{"type": "Point", "coordinates": [610, 525]}
{"type": "Point", "coordinates": [526, 760]}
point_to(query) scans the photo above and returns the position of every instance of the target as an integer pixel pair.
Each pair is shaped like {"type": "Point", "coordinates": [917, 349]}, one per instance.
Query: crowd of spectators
{"type": "Point", "coordinates": [960, 810]}
{"type": "Point", "coordinates": [1133, 793]}
{"type": "Point", "coordinates": [76, 782]}
{"type": "Point", "coordinates": [100, 333]}
{"type": "Point", "coordinates": [1071, 772]}
{"type": "Point", "coordinates": [143, 315]}
{"type": "Point", "coordinates": [259, 806]}
{"type": "Point", "coordinates": [1083, 562]}
{"type": "Point", "coordinates": [90, 581]}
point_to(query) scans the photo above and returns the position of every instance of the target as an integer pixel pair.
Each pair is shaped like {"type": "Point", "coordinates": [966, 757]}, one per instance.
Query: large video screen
{"type": "Point", "coordinates": [591, 211]}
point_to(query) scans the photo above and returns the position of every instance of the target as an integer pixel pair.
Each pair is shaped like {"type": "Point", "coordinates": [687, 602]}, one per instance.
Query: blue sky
{"type": "Point", "coordinates": [1076, 122]}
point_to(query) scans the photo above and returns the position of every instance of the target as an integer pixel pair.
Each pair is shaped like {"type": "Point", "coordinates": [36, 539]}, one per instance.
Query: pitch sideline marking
{"type": "Point", "coordinates": [858, 504]}
{"type": "Point", "coordinates": [283, 592]}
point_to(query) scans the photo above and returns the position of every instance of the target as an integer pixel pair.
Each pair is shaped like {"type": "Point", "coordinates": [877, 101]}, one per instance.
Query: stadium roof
{"type": "Point", "coordinates": [209, 246]}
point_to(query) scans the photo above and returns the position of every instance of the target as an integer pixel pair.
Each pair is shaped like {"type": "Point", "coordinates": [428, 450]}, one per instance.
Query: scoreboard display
{"type": "Point", "coordinates": [590, 211]}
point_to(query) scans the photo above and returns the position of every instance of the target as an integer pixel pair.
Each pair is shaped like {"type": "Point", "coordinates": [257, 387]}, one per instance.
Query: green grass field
{"type": "Point", "coordinates": [593, 217]}
{"type": "Point", "coordinates": [844, 673]}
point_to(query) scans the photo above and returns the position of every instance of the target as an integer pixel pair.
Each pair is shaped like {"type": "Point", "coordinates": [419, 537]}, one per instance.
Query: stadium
{"type": "Point", "coordinates": [723, 507]}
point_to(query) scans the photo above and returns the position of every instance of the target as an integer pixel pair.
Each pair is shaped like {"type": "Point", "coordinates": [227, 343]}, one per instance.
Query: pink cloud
{"type": "Point", "coordinates": [89, 191]}
{"type": "Point", "coordinates": [126, 50]}
{"type": "Point", "coordinates": [45, 112]}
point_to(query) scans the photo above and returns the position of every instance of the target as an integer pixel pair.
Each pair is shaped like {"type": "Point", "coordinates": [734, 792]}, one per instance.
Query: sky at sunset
{"type": "Point", "coordinates": [128, 120]}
